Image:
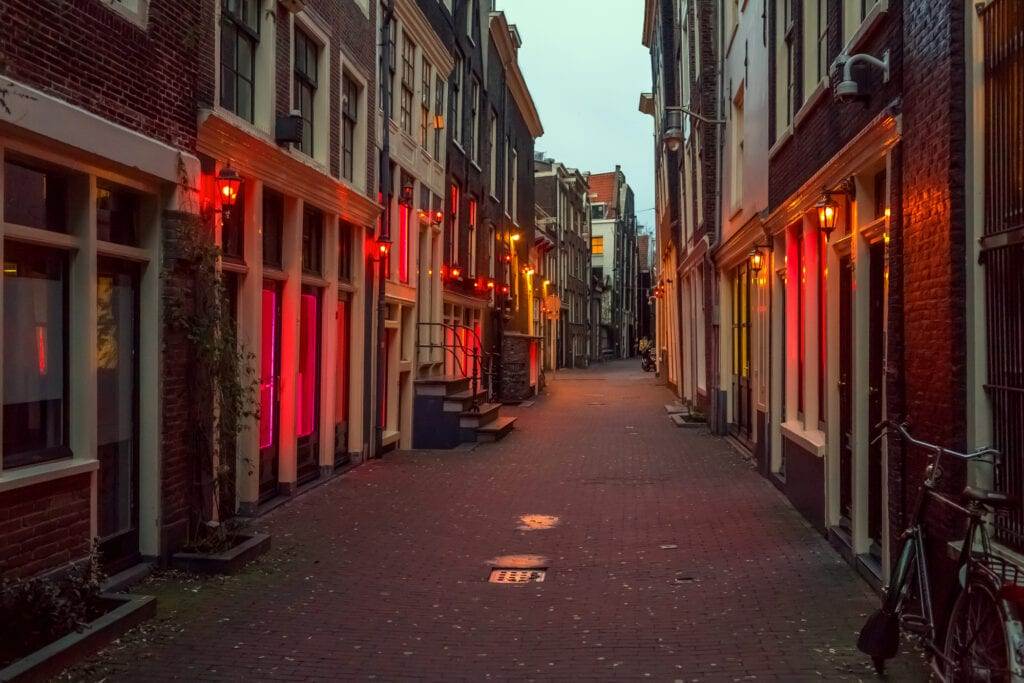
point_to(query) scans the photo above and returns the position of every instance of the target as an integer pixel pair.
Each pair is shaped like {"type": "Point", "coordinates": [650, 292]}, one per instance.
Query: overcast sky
{"type": "Point", "coordinates": [586, 67]}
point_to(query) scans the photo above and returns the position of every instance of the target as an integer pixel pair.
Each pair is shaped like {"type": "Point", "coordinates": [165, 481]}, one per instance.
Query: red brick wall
{"type": "Point", "coordinates": [90, 55]}
{"type": "Point", "coordinates": [44, 526]}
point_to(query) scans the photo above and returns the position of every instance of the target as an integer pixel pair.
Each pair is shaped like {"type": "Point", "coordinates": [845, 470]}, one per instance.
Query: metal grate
{"type": "Point", "coordinates": [1003, 247]}
{"type": "Point", "coordinates": [516, 576]}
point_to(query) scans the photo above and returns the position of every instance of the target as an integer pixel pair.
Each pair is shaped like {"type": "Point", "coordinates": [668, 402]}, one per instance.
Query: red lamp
{"type": "Point", "coordinates": [228, 185]}
{"type": "Point", "coordinates": [490, 283]}
{"type": "Point", "coordinates": [382, 248]}
{"type": "Point", "coordinates": [456, 272]}
{"type": "Point", "coordinates": [505, 290]}
{"type": "Point", "coordinates": [406, 195]}
{"type": "Point", "coordinates": [438, 217]}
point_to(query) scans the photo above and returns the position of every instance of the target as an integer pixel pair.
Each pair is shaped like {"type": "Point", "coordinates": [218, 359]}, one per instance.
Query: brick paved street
{"type": "Point", "coordinates": [382, 572]}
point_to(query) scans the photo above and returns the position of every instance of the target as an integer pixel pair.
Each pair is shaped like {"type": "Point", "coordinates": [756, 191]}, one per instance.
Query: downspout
{"type": "Point", "coordinates": [384, 173]}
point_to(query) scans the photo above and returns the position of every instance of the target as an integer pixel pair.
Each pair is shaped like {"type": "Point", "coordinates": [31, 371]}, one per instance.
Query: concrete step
{"type": "Point", "coordinates": [496, 430]}
{"type": "Point", "coordinates": [474, 419]}
{"type": "Point", "coordinates": [441, 386]}
{"type": "Point", "coordinates": [460, 402]}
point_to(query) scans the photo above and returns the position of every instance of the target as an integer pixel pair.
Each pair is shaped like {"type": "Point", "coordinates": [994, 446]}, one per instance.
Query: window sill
{"type": "Point", "coordinates": [37, 474]}
{"type": "Point", "coordinates": [784, 137]}
{"type": "Point", "coordinates": [244, 124]}
{"type": "Point", "coordinates": [812, 440]}
{"type": "Point", "coordinates": [817, 95]}
{"type": "Point", "coordinates": [474, 164]}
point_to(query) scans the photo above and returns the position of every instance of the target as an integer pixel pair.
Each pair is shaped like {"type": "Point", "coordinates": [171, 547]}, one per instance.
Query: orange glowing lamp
{"type": "Point", "coordinates": [827, 211]}
{"type": "Point", "coordinates": [228, 185]}
{"type": "Point", "coordinates": [756, 260]}
{"type": "Point", "coordinates": [490, 283]}
{"type": "Point", "coordinates": [382, 249]}
{"type": "Point", "coordinates": [438, 217]}
{"type": "Point", "coordinates": [456, 272]}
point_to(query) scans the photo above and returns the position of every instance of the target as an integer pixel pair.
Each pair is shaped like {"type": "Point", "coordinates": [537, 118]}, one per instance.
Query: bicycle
{"type": "Point", "coordinates": [984, 638]}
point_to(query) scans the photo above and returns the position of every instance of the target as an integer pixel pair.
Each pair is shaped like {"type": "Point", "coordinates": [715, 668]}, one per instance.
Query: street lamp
{"type": "Point", "coordinates": [827, 211]}
{"type": "Point", "coordinates": [228, 185]}
{"type": "Point", "coordinates": [673, 135]}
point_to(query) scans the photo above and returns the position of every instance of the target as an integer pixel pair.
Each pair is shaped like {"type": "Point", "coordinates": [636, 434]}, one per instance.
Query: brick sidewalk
{"type": "Point", "coordinates": [382, 572]}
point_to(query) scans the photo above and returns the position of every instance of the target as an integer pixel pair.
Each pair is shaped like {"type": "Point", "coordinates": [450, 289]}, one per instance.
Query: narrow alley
{"type": "Point", "coordinates": [668, 557]}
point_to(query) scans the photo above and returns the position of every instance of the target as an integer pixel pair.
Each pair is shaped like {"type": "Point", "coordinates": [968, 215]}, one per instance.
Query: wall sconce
{"type": "Point", "coordinates": [381, 250]}
{"type": "Point", "coordinates": [758, 256]}
{"type": "Point", "coordinates": [515, 236]}
{"type": "Point", "coordinates": [438, 217]}
{"type": "Point", "coordinates": [455, 272]}
{"type": "Point", "coordinates": [827, 211]}
{"type": "Point", "coordinates": [439, 121]}
{"type": "Point", "coordinates": [673, 125]}
{"type": "Point", "coordinates": [228, 185]}
{"type": "Point", "coordinates": [490, 283]}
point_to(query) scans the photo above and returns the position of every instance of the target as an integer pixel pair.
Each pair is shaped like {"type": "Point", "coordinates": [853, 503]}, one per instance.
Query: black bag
{"type": "Point", "coordinates": [880, 636]}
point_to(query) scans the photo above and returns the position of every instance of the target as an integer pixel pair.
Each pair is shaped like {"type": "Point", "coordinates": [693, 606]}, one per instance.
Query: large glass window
{"type": "Point", "coordinates": [35, 196]}
{"type": "Point", "coordinates": [456, 103]}
{"type": "Point", "coordinates": [408, 84]}
{"type": "Point", "coordinates": [426, 78]}
{"type": "Point", "coordinates": [473, 131]}
{"type": "Point", "coordinates": [341, 401]}
{"type": "Point", "coordinates": [438, 112]}
{"type": "Point", "coordinates": [312, 240]}
{"type": "Point", "coordinates": [307, 55]}
{"type": "Point", "coordinates": [35, 368]}
{"type": "Point", "coordinates": [239, 37]}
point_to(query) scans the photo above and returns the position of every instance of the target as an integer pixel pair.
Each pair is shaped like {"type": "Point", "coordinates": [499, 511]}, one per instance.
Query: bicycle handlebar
{"type": "Point", "coordinates": [901, 429]}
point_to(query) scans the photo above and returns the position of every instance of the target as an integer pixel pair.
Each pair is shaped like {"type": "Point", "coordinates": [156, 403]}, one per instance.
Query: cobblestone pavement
{"type": "Point", "coordinates": [672, 559]}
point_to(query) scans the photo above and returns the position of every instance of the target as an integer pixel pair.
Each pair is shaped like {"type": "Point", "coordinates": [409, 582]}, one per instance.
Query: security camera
{"type": "Point", "coordinates": [847, 90]}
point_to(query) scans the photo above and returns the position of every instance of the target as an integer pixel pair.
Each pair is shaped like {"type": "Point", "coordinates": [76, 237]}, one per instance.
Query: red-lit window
{"type": "Point", "coordinates": [307, 382]}
{"type": "Point", "coordinates": [471, 256]}
{"type": "Point", "coordinates": [342, 382]}
{"type": "Point", "coordinates": [801, 269]}
{"type": "Point", "coordinates": [822, 327]}
{"type": "Point", "coordinates": [268, 367]}
{"type": "Point", "coordinates": [403, 243]}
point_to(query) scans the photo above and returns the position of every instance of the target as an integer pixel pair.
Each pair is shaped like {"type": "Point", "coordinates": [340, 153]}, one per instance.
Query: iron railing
{"type": "Point", "coordinates": [1003, 247]}
{"type": "Point", "coordinates": [469, 360]}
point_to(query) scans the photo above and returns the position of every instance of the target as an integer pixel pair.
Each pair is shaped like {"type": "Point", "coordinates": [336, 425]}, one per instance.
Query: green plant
{"type": "Point", "coordinates": [221, 374]}
{"type": "Point", "coordinates": [40, 610]}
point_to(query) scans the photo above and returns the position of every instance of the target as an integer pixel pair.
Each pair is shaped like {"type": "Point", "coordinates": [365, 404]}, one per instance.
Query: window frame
{"type": "Point", "coordinates": [303, 81]}
{"type": "Point", "coordinates": [240, 31]}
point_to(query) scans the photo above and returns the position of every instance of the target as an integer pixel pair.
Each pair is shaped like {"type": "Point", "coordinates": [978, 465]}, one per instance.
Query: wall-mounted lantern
{"type": "Point", "coordinates": [381, 249]}
{"type": "Point", "coordinates": [827, 212]}
{"type": "Point", "coordinates": [438, 217]}
{"type": "Point", "coordinates": [756, 260]}
{"type": "Point", "coordinates": [228, 185]}
{"type": "Point", "coordinates": [405, 196]}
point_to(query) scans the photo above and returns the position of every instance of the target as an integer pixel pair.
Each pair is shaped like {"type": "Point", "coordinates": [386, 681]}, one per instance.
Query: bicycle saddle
{"type": "Point", "coordinates": [989, 498]}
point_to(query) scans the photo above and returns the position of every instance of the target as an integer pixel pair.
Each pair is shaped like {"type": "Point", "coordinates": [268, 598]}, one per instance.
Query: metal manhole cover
{"type": "Point", "coordinates": [516, 576]}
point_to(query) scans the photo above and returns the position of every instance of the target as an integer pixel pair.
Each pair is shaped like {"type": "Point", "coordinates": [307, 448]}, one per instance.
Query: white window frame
{"type": "Point", "coordinates": [321, 100]}
{"type": "Point", "coordinates": [135, 11]}
{"type": "Point", "coordinates": [350, 69]}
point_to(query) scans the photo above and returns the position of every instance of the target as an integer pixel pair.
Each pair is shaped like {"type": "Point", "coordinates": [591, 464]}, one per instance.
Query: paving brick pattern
{"type": "Point", "coordinates": [382, 572]}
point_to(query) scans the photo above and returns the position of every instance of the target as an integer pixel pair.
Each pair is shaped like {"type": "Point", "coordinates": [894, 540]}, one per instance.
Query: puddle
{"type": "Point", "coordinates": [520, 562]}
{"type": "Point", "coordinates": [537, 522]}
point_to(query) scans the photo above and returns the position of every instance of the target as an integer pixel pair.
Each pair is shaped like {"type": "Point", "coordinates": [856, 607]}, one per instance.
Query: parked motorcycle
{"type": "Point", "coordinates": [647, 361]}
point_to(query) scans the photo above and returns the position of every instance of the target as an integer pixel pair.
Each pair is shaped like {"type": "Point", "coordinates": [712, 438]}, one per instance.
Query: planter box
{"type": "Point", "coordinates": [127, 611]}
{"type": "Point", "coordinates": [230, 561]}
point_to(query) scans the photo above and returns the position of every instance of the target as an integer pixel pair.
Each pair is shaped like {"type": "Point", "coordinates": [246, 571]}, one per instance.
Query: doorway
{"type": "Point", "coordinates": [270, 400]}
{"type": "Point", "coordinates": [117, 412]}
{"type": "Point", "coordinates": [307, 387]}
{"type": "Point", "coordinates": [876, 377]}
{"type": "Point", "coordinates": [846, 394]}
{"type": "Point", "coordinates": [741, 345]}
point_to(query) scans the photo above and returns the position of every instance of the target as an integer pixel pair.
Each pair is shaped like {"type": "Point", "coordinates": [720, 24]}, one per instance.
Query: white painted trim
{"type": "Point", "coordinates": [23, 477]}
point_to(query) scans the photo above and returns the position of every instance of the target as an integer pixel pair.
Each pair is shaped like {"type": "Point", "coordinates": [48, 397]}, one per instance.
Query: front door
{"type": "Point", "coordinates": [117, 430]}
{"type": "Point", "coordinates": [845, 393]}
{"type": "Point", "coordinates": [876, 376]}
{"type": "Point", "coordinates": [741, 352]}
{"type": "Point", "coordinates": [270, 381]}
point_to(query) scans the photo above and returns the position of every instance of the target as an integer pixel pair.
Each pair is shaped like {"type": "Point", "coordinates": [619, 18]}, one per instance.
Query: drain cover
{"type": "Point", "coordinates": [516, 576]}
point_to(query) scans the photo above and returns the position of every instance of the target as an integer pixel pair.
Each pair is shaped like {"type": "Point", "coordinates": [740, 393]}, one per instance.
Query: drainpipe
{"type": "Point", "coordinates": [384, 174]}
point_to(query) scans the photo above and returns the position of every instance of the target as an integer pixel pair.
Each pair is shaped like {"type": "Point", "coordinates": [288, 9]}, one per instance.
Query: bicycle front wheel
{"type": "Point", "coordinates": [978, 646]}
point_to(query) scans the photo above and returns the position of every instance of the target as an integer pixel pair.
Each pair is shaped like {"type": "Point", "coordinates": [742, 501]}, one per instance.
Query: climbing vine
{"type": "Point", "coordinates": [220, 374]}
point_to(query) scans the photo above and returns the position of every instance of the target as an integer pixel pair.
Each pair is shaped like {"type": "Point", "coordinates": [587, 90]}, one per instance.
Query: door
{"type": "Point", "coordinates": [845, 393]}
{"type": "Point", "coordinates": [307, 386]}
{"type": "Point", "coordinates": [270, 380]}
{"type": "Point", "coordinates": [342, 382]}
{"type": "Point", "coordinates": [876, 376]}
{"type": "Point", "coordinates": [742, 411]}
{"type": "Point", "coordinates": [117, 412]}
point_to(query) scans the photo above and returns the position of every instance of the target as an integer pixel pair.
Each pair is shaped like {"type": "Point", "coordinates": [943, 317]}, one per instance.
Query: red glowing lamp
{"type": "Point", "coordinates": [490, 283]}
{"type": "Point", "coordinates": [381, 249]}
{"type": "Point", "coordinates": [456, 272]}
{"type": "Point", "coordinates": [505, 290]}
{"type": "Point", "coordinates": [228, 185]}
{"type": "Point", "coordinates": [438, 217]}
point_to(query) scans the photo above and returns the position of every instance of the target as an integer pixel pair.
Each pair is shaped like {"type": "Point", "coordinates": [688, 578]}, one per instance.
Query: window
{"type": "Point", "coordinates": [597, 245]}
{"type": "Point", "coordinates": [736, 138]}
{"type": "Point", "coordinates": [513, 170]}
{"type": "Point", "coordinates": [471, 260]}
{"type": "Point", "coordinates": [349, 122]}
{"type": "Point", "coordinates": [426, 78]}
{"type": "Point", "coordinates": [273, 228]}
{"type": "Point", "coordinates": [404, 215]}
{"type": "Point", "coordinates": [117, 214]}
{"type": "Point", "coordinates": [473, 20]}
{"type": "Point", "coordinates": [494, 154]}
{"type": "Point", "coordinates": [307, 54]}
{"type": "Point", "coordinates": [345, 232]}
{"type": "Point", "coordinates": [815, 30]}
{"type": "Point", "coordinates": [239, 38]}
{"type": "Point", "coordinates": [133, 10]}
{"type": "Point", "coordinates": [785, 85]}
{"type": "Point", "coordinates": [473, 145]}
{"type": "Point", "coordinates": [453, 224]}
{"type": "Point", "coordinates": [35, 369]}
{"type": "Point", "coordinates": [438, 112]}
{"type": "Point", "coordinates": [232, 229]}
{"type": "Point", "coordinates": [312, 240]}
{"type": "Point", "coordinates": [342, 380]}
{"type": "Point", "coordinates": [35, 196]}
{"type": "Point", "coordinates": [408, 84]}
{"type": "Point", "coordinates": [456, 103]}
{"type": "Point", "coordinates": [854, 14]}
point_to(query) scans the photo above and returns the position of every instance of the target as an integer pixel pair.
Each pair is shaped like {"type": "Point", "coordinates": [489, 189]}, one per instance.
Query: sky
{"type": "Point", "coordinates": [586, 66]}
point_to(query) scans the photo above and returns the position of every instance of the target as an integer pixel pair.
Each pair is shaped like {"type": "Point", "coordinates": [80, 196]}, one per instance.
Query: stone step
{"type": "Point", "coordinates": [496, 430]}
{"type": "Point", "coordinates": [487, 413]}
{"type": "Point", "coordinates": [460, 402]}
{"type": "Point", "coordinates": [441, 386]}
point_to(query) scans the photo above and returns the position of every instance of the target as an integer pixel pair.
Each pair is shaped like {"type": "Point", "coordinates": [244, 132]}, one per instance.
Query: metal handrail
{"type": "Point", "coordinates": [477, 354]}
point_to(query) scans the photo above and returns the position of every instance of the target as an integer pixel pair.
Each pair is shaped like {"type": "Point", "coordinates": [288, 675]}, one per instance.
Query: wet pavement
{"type": "Point", "coordinates": [667, 557]}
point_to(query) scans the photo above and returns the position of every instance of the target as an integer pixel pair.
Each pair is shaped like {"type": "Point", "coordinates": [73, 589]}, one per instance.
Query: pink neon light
{"type": "Point", "coordinates": [343, 366]}
{"type": "Point", "coordinates": [305, 408]}
{"type": "Point", "coordinates": [403, 243]}
{"type": "Point", "coordinates": [268, 356]}
{"type": "Point", "coordinates": [41, 348]}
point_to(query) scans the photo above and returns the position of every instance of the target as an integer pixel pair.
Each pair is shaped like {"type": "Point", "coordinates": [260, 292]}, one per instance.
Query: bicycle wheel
{"type": "Point", "coordinates": [978, 644]}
